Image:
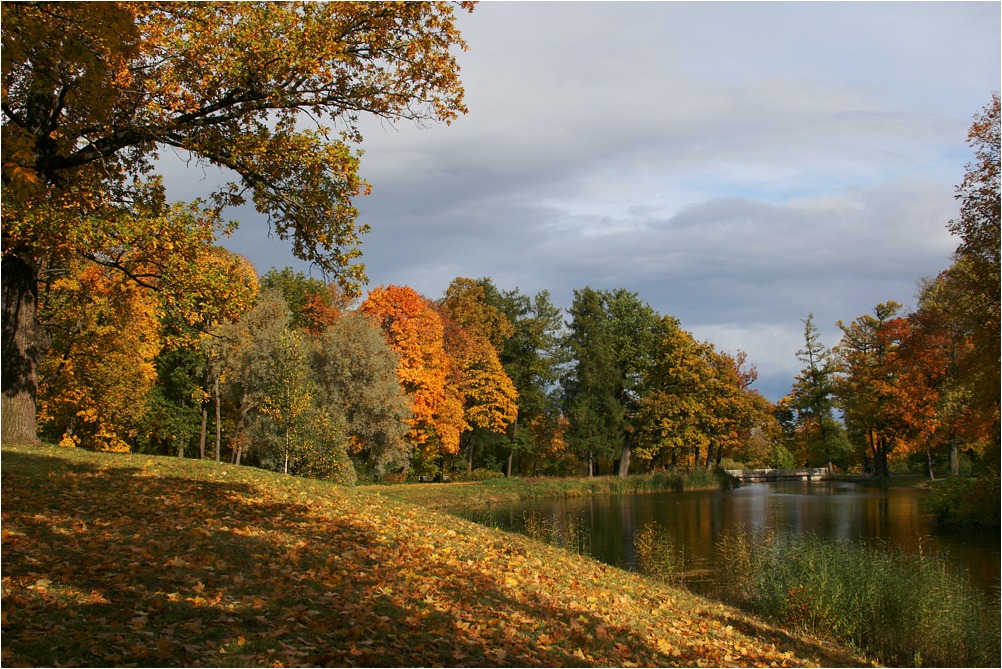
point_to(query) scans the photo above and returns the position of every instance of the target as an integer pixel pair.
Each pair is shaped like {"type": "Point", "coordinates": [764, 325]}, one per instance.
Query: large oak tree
{"type": "Point", "coordinates": [271, 91]}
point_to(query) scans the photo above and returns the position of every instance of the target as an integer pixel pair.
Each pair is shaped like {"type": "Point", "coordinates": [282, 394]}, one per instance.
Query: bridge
{"type": "Point", "coordinates": [763, 475]}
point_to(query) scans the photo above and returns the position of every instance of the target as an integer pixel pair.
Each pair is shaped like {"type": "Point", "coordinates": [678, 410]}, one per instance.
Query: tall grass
{"type": "Point", "coordinates": [657, 555]}
{"type": "Point", "coordinates": [566, 531]}
{"type": "Point", "coordinates": [904, 610]}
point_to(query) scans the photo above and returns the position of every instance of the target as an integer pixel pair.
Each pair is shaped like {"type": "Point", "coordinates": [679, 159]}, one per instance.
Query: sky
{"type": "Point", "coordinates": [737, 165]}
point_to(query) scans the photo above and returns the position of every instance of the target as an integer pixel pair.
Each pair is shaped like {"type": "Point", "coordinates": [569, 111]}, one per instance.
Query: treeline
{"type": "Point", "coordinates": [290, 373]}
{"type": "Point", "coordinates": [299, 379]}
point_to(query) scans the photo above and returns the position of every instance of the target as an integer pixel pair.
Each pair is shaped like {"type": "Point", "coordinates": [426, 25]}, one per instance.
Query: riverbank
{"type": "Point", "coordinates": [502, 491]}
{"type": "Point", "coordinates": [127, 559]}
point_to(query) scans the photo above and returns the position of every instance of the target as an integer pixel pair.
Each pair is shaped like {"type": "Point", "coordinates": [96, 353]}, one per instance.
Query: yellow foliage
{"type": "Point", "coordinates": [101, 369]}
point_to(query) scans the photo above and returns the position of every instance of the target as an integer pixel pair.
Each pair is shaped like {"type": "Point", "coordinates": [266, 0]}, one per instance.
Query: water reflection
{"type": "Point", "coordinates": [829, 509]}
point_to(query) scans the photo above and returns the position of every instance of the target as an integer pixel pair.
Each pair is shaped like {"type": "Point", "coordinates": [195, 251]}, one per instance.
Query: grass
{"type": "Point", "coordinates": [904, 610]}
{"type": "Point", "coordinates": [116, 560]}
{"type": "Point", "coordinates": [497, 492]}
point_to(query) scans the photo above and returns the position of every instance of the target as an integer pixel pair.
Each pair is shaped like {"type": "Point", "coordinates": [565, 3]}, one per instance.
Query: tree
{"type": "Point", "coordinates": [532, 357]}
{"type": "Point", "coordinates": [356, 371]}
{"type": "Point", "coordinates": [314, 304]}
{"type": "Point", "coordinates": [175, 402]}
{"type": "Point", "coordinates": [674, 407]}
{"type": "Point", "coordinates": [91, 92]}
{"type": "Point", "coordinates": [974, 277]}
{"type": "Point", "coordinates": [610, 339]}
{"type": "Point", "coordinates": [285, 402]}
{"type": "Point", "coordinates": [476, 331]}
{"type": "Point", "coordinates": [243, 350]}
{"type": "Point", "coordinates": [467, 304]}
{"type": "Point", "coordinates": [591, 401]}
{"type": "Point", "coordinates": [733, 409]}
{"type": "Point", "coordinates": [868, 379]}
{"type": "Point", "coordinates": [413, 329]}
{"type": "Point", "coordinates": [94, 388]}
{"type": "Point", "coordinates": [813, 394]}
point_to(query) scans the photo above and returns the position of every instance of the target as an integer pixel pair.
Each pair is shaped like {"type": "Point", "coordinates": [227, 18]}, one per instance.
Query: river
{"type": "Point", "coordinates": [829, 509]}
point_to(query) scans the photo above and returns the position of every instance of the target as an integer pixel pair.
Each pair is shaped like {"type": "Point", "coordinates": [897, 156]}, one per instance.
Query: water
{"type": "Point", "coordinates": [829, 509]}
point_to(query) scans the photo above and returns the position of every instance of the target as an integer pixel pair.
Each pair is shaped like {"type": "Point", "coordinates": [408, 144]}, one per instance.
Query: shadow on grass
{"type": "Point", "coordinates": [109, 565]}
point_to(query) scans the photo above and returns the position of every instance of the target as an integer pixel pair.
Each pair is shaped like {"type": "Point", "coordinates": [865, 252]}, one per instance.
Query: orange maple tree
{"type": "Point", "coordinates": [415, 331]}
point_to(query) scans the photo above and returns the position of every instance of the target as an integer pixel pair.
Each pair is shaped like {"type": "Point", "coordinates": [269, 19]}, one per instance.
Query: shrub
{"type": "Point", "coordinates": [965, 501]}
{"type": "Point", "coordinates": [479, 474]}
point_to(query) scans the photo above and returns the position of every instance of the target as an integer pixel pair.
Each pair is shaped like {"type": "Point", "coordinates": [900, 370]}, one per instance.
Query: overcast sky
{"type": "Point", "coordinates": [738, 165]}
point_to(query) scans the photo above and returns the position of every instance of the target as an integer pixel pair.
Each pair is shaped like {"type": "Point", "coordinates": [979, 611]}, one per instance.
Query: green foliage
{"type": "Point", "coordinates": [781, 458]}
{"type": "Point", "coordinates": [611, 340]}
{"type": "Point", "coordinates": [174, 404]}
{"type": "Point", "coordinates": [356, 371]}
{"type": "Point", "coordinates": [905, 610]}
{"type": "Point", "coordinates": [965, 501]}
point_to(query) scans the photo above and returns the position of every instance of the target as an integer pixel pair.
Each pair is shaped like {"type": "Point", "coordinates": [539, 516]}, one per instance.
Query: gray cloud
{"type": "Point", "coordinates": [737, 164]}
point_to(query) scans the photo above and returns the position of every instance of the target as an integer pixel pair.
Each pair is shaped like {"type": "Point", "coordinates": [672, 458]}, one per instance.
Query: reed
{"type": "Point", "coordinates": [904, 610]}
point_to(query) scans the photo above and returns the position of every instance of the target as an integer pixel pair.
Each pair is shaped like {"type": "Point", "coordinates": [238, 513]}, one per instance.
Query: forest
{"type": "Point", "coordinates": [128, 327]}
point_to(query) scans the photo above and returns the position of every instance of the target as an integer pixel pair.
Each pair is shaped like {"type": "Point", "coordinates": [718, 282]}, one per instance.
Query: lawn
{"type": "Point", "coordinates": [113, 560]}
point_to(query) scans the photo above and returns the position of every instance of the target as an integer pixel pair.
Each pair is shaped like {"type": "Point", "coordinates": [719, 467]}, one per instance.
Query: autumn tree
{"type": "Point", "coordinates": [315, 304]}
{"type": "Point", "coordinates": [733, 409]}
{"type": "Point", "coordinates": [476, 331]}
{"type": "Point", "coordinates": [674, 407]}
{"type": "Point", "coordinates": [91, 93]}
{"type": "Point", "coordinates": [868, 379]}
{"type": "Point", "coordinates": [105, 338]}
{"type": "Point", "coordinates": [974, 277]}
{"type": "Point", "coordinates": [357, 374]}
{"type": "Point", "coordinates": [413, 329]}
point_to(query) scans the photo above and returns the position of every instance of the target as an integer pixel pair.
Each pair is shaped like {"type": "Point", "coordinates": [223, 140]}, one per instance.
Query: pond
{"type": "Point", "coordinates": [696, 520]}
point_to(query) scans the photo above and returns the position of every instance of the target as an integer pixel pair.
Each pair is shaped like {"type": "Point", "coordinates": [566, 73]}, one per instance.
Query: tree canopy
{"type": "Point", "coordinates": [92, 92]}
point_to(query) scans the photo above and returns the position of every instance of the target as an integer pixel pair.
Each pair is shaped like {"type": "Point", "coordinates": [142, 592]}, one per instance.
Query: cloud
{"type": "Point", "coordinates": [738, 165]}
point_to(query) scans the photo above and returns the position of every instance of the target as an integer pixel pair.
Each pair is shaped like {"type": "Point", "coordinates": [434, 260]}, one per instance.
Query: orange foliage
{"type": "Point", "coordinates": [415, 331]}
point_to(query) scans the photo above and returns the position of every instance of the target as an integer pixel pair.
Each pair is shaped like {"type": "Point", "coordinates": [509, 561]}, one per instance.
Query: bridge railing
{"type": "Point", "coordinates": [812, 472]}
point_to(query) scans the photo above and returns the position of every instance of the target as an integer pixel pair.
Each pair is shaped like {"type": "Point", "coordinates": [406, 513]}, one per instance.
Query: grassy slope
{"type": "Point", "coordinates": [503, 491]}
{"type": "Point", "coordinates": [118, 559]}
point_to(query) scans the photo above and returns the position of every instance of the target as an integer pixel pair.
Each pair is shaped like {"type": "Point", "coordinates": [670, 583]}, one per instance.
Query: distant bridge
{"type": "Point", "coordinates": [763, 475]}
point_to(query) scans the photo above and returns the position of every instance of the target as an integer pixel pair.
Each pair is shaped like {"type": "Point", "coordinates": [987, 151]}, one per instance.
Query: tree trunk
{"type": "Point", "coordinates": [954, 457]}
{"type": "Point", "coordinates": [238, 430]}
{"type": "Point", "coordinates": [624, 460]}
{"type": "Point", "coordinates": [928, 459]}
{"type": "Point", "coordinates": [285, 466]}
{"type": "Point", "coordinates": [202, 431]}
{"type": "Point", "coordinates": [219, 432]}
{"type": "Point", "coordinates": [25, 342]}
